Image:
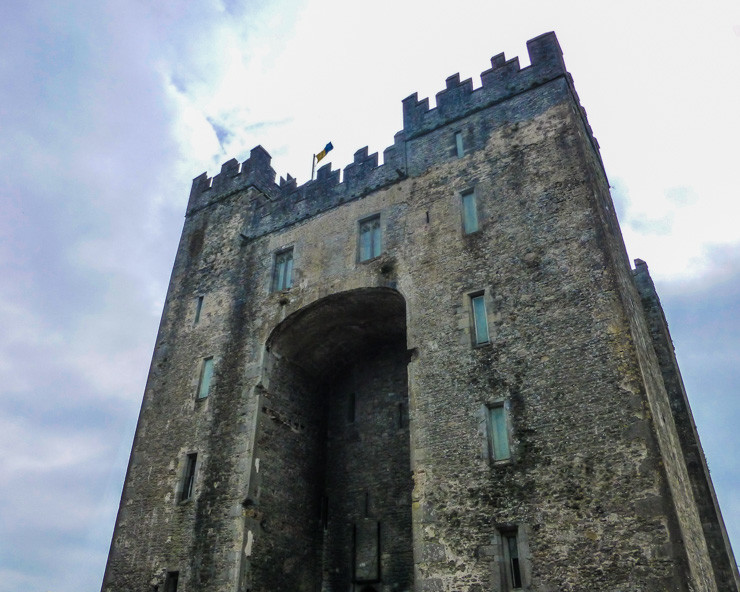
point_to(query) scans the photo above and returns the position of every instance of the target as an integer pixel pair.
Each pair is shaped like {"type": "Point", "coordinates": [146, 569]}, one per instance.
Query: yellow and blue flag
{"type": "Point", "coordinates": [327, 148]}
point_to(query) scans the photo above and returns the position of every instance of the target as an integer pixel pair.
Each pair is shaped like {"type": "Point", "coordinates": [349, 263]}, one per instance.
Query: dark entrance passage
{"type": "Point", "coordinates": [331, 496]}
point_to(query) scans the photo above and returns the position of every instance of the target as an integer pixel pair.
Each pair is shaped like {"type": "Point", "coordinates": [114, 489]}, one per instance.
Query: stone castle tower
{"type": "Point", "coordinates": [439, 374]}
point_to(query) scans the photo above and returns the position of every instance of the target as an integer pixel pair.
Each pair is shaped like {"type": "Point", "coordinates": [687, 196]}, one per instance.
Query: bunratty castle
{"type": "Point", "coordinates": [439, 374]}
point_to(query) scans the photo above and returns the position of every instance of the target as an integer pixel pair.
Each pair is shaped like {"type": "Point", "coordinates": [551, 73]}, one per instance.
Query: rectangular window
{"type": "Point", "coordinates": [282, 278]}
{"type": "Point", "coordinates": [369, 238]}
{"type": "Point", "coordinates": [188, 478]}
{"type": "Point", "coordinates": [511, 555]}
{"type": "Point", "coordinates": [206, 373]}
{"type": "Point", "coordinates": [470, 212]}
{"type": "Point", "coordinates": [498, 432]}
{"type": "Point", "coordinates": [480, 319]}
{"type": "Point", "coordinates": [170, 581]}
{"type": "Point", "coordinates": [198, 308]}
{"type": "Point", "coordinates": [459, 148]}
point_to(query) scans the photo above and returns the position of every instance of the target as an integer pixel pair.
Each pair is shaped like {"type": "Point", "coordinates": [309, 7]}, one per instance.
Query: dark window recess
{"type": "Point", "coordinates": [512, 550]}
{"type": "Point", "coordinates": [351, 408]}
{"type": "Point", "coordinates": [170, 581]}
{"type": "Point", "coordinates": [324, 511]}
{"type": "Point", "coordinates": [459, 147]}
{"type": "Point", "coordinates": [188, 478]}
{"type": "Point", "coordinates": [198, 308]}
{"type": "Point", "coordinates": [401, 422]}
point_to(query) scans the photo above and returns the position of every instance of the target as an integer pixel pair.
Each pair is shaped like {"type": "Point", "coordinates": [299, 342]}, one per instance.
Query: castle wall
{"type": "Point", "coordinates": [687, 531]}
{"type": "Point", "coordinates": [587, 486]}
{"type": "Point", "coordinates": [596, 494]}
{"type": "Point", "coordinates": [199, 537]}
{"type": "Point", "coordinates": [720, 552]}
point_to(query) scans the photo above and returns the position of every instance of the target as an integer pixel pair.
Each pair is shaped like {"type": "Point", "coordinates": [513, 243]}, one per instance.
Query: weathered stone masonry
{"type": "Point", "coordinates": [345, 441]}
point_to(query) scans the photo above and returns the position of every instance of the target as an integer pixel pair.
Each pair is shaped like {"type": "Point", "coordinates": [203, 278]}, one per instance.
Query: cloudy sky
{"type": "Point", "coordinates": [109, 108]}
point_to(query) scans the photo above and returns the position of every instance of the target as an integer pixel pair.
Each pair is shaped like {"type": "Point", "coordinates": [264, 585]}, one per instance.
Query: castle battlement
{"type": "Point", "coordinates": [503, 80]}
{"type": "Point", "coordinates": [287, 202]}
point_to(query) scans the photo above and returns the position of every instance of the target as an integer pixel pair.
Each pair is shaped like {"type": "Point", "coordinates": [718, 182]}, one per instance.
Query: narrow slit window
{"type": "Point", "coordinates": [198, 308]}
{"type": "Point", "coordinates": [170, 581]}
{"type": "Point", "coordinates": [511, 552]}
{"type": "Point", "coordinates": [324, 512]}
{"type": "Point", "coordinates": [206, 374]}
{"type": "Point", "coordinates": [351, 408]}
{"type": "Point", "coordinates": [282, 278]}
{"type": "Point", "coordinates": [480, 319]}
{"type": "Point", "coordinates": [459, 148]}
{"type": "Point", "coordinates": [370, 238]}
{"type": "Point", "coordinates": [188, 481]}
{"type": "Point", "coordinates": [470, 212]}
{"type": "Point", "coordinates": [498, 432]}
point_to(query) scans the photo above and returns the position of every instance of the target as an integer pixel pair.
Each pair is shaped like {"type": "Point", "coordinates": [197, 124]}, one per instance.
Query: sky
{"type": "Point", "coordinates": [109, 109]}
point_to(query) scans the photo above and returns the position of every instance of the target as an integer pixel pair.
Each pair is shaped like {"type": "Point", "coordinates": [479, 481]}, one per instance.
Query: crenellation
{"type": "Point", "coordinates": [223, 181]}
{"type": "Point", "coordinates": [288, 184]}
{"type": "Point", "coordinates": [500, 74]}
{"type": "Point", "coordinates": [255, 171]}
{"type": "Point", "coordinates": [499, 60]}
{"type": "Point", "coordinates": [394, 157]}
{"type": "Point", "coordinates": [504, 80]}
{"type": "Point", "coordinates": [258, 170]}
{"type": "Point", "coordinates": [357, 175]}
{"type": "Point", "coordinates": [546, 55]}
{"type": "Point", "coordinates": [452, 103]}
{"type": "Point", "coordinates": [414, 111]}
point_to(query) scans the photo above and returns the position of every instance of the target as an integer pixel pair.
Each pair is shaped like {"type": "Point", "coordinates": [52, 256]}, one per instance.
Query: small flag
{"type": "Point", "coordinates": [327, 148]}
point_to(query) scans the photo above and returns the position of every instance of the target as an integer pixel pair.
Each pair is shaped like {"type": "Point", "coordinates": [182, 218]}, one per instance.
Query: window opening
{"type": "Point", "coordinates": [460, 149]}
{"type": "Point", "coordinates": [480, 319]}
{"type": "Point", "coordinates": [198, 308]}
{"type": "Point", "coordinates": [470, 212]}
{"type": "Point", "coordinates": [282, 278]}
{"type": "Point", "coordinates": [511, 550]}
{"type": "Point", "coordinates": [369, 238]}
{"type": "Point", "coordinates": [206, 374]}
{"type": "Point", "coordinates": [351, 408]}
{"type": "Point", "coordinates": [324, 511]}
{"type": "Point", "coordinates": [400, 415]}
{"type": "Point", "coordinates": [188, 477]}
{"type": "Point", "coordinates": [498, 432]}
{"type": "Point", "coordinates": [170, 581]}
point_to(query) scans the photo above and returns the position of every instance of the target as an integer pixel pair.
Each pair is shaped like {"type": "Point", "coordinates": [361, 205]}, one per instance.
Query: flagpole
{"type": "Point", "coordinates": [313, 165]}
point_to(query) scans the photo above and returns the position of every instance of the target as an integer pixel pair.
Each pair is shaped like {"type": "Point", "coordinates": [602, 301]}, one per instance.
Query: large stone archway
{"type": "Point", "coordinates": [330, 499]}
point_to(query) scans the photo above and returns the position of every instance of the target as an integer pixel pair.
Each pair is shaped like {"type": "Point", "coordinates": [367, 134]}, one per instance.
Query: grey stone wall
{"type": "Point", "coordinates": [720, 552]}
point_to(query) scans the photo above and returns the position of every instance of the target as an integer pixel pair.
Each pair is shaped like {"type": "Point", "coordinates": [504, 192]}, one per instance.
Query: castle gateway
{"type": "Point", "coordinates": [439, 374]}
